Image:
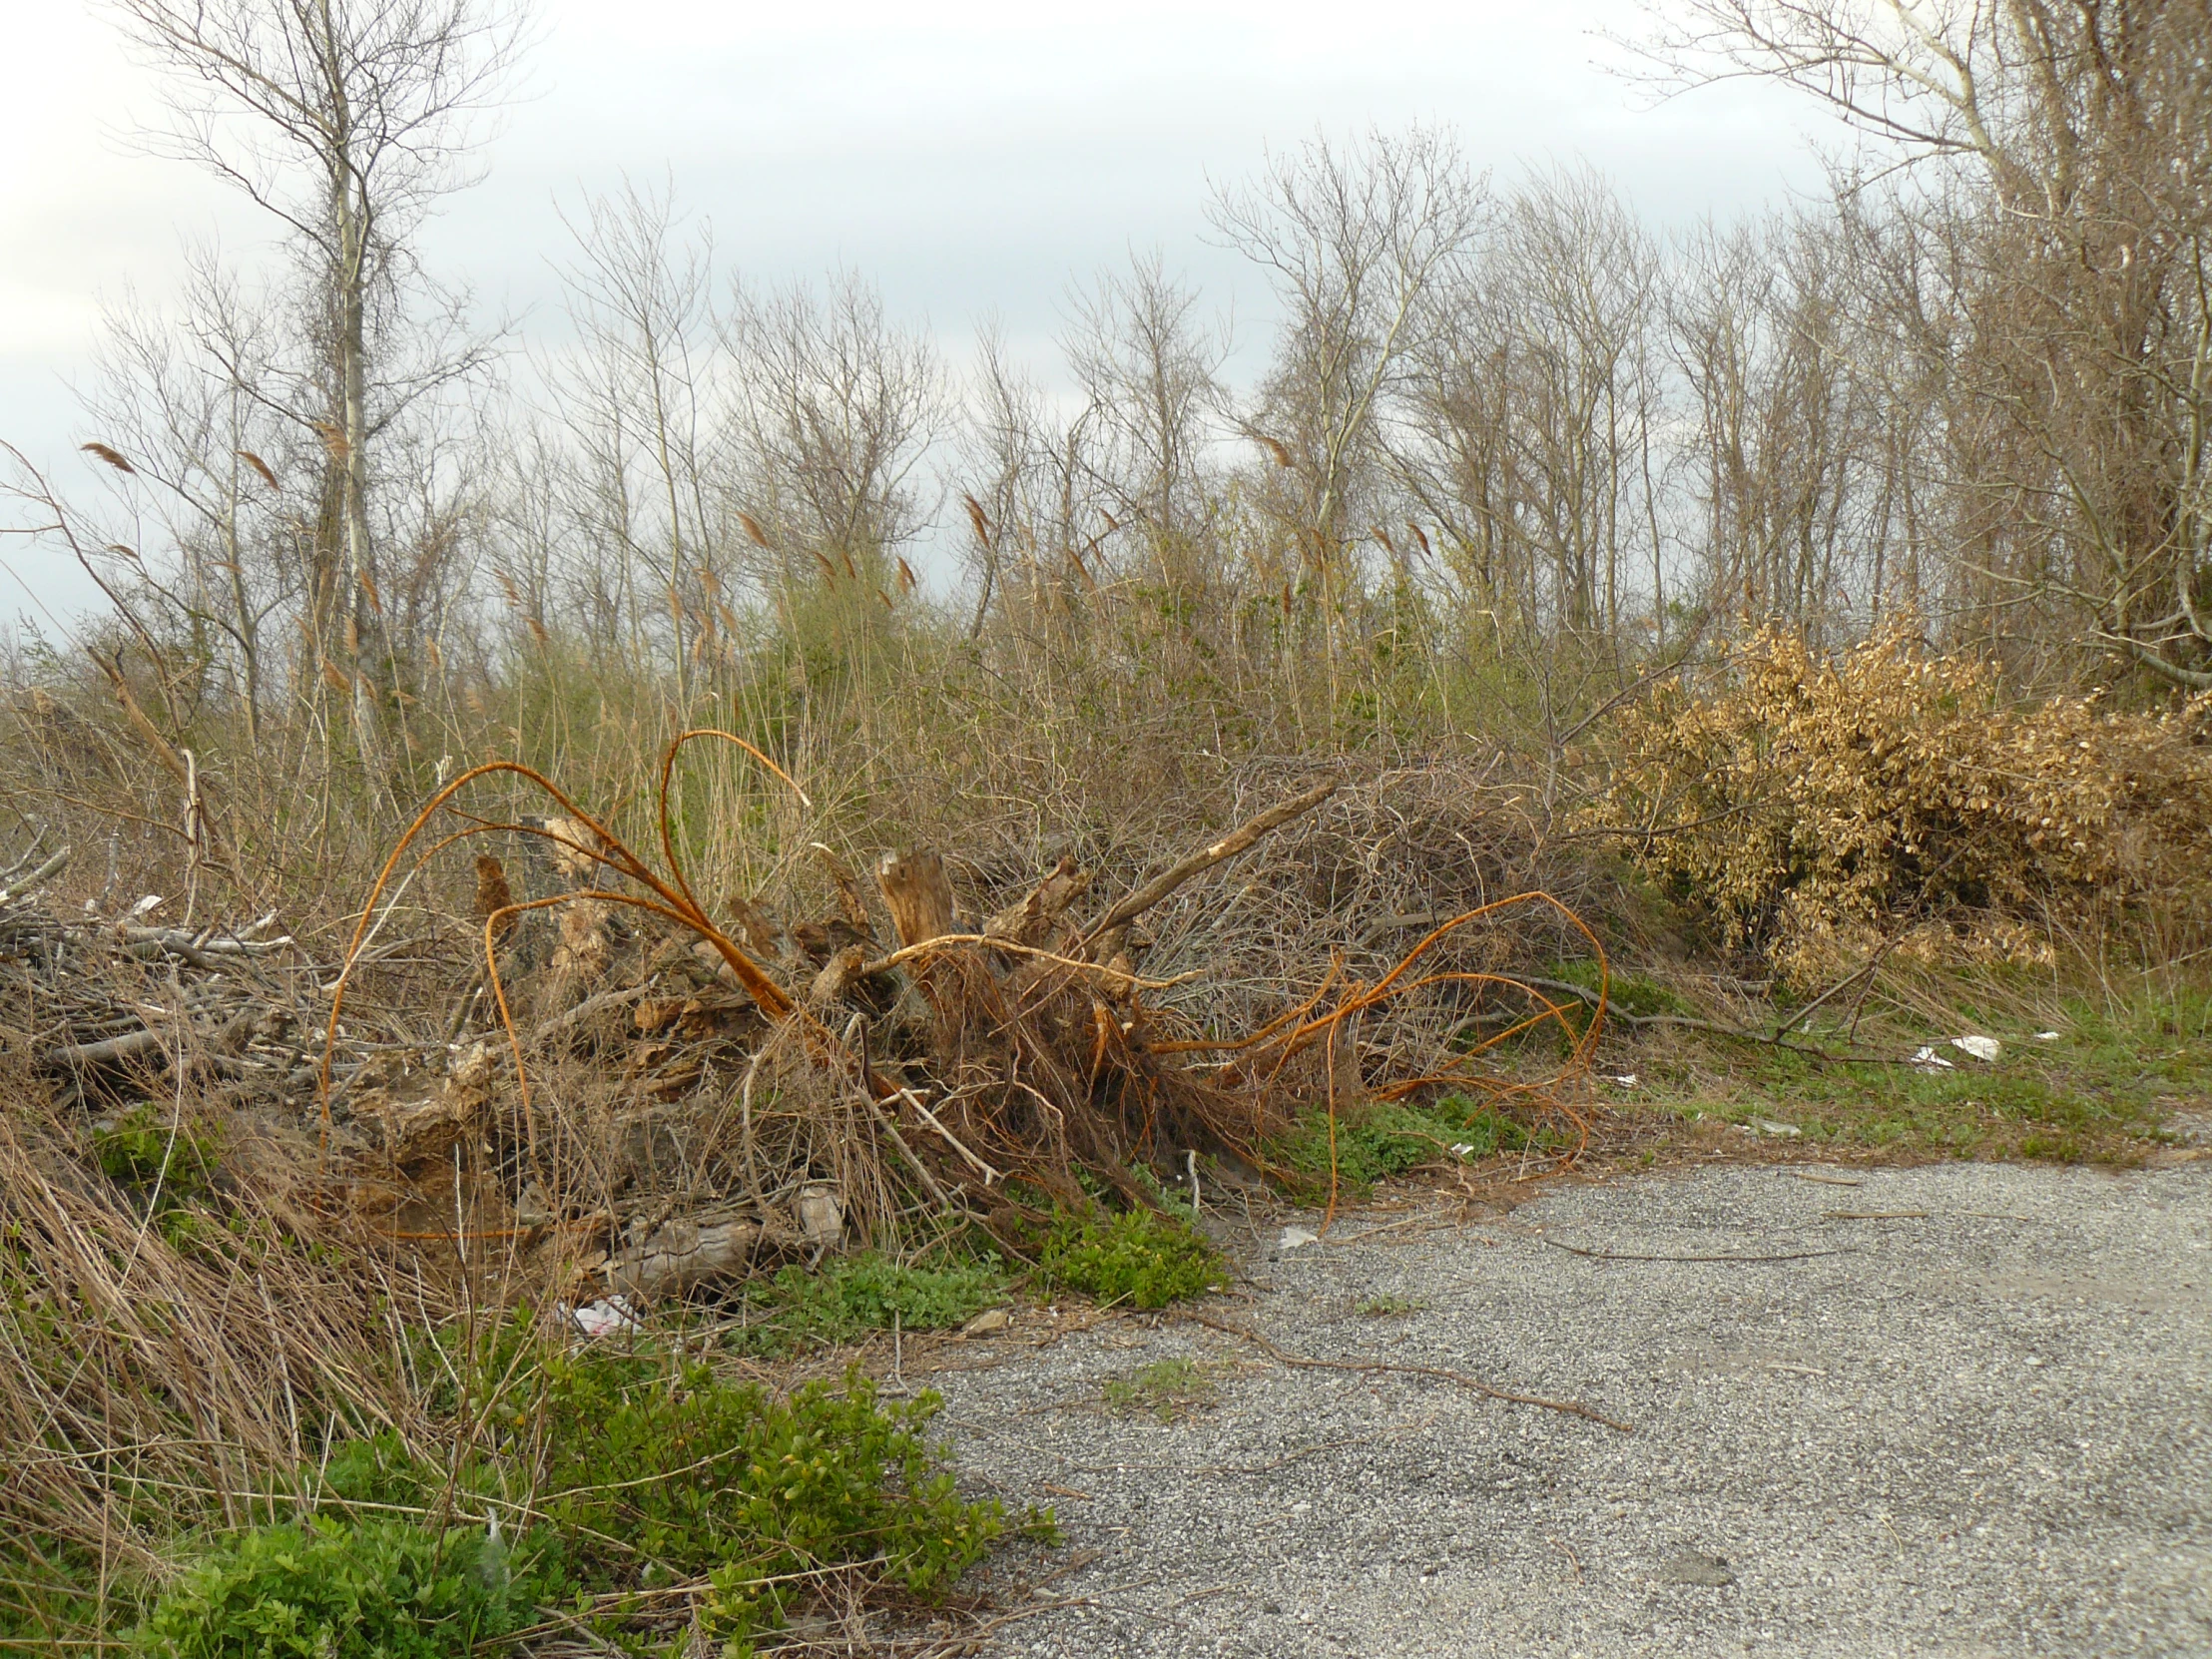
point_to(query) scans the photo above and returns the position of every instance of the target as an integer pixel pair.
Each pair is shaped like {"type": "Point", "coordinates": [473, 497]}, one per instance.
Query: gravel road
{"type": "Point", "coordinates": [1980, 1425]}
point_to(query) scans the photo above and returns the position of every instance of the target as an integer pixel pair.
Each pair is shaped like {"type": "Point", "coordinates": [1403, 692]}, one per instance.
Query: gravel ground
{"type": "Point", "coordinates": [1981, 1430]}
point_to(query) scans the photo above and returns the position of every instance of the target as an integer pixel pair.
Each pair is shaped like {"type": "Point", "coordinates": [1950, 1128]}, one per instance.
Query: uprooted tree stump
{"type": "Point", "coordinates": [925, 1075]}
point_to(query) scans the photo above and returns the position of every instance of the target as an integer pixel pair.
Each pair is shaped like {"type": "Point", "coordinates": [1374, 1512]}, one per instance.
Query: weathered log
{"type": "Point", "coordinates": [837, 976]}
{"type": "Point", "coordinates": [848, 889]}
{"type": "Point", "coordinates": [684, 1252]}
{"type": "Point", "coordinates": [1031, 919]}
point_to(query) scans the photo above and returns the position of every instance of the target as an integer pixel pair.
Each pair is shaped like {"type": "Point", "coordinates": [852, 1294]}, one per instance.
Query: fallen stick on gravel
{"type": "Point", "coordinates": [1623, 1256]}
{"type": "Point", "coordinates": [1875, 1215]}
{"type": "Point", "coordinates": [1572, 1408]}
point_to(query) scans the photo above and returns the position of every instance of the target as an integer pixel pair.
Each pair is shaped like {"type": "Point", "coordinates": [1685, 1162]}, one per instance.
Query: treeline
{"type": "Point", "coordinates": [1510, 448]}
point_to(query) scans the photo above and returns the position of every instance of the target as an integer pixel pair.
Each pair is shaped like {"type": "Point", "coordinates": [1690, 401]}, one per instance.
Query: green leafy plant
{"type": "Point", "coordinates": [331, 1589]}
{"type": "Point", "coordinates": [1139, 1256]}
{"type": "Point", "coordinates": [637, 1462]}
{"type": "Point", "coordinates": [699, 1472]}
{"type": "Point", "coordinates": [853, 1295]}
{"type": "Point", "coordinates": [1388, 1139]}
{"type": "Point", "coordinates": [1387, 1307]}
{"type": "Point", "coordinates": [167, 1169]}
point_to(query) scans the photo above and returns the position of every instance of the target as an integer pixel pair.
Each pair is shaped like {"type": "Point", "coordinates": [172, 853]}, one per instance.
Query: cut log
{"type": "Point", "coordinates": [920, 895]}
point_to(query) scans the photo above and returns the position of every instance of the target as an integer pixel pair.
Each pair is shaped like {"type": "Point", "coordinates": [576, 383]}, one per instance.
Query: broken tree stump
{"type": "Point", "coordinates": [919, 895]}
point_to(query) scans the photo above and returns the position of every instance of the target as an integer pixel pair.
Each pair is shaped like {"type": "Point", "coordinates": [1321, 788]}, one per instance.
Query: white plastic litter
{"type": "Point", "coordinates": [1626, 1080]}
{"type": "Point", "coordinates": [1767, 1126]}
{"type": "Point", "coordinates": [1982, 1048]}
{"type": "Point", "coordinates": [605, 1318]}
{"type": "Point", "coordinates": [1928, 1060]}
{"type": "Point", "coordinates": [2046, 1037]}
{"type": "Point", "coordinates": [1463, 1149]}
{"type": "Point", "coordinates": [1292, 1237]}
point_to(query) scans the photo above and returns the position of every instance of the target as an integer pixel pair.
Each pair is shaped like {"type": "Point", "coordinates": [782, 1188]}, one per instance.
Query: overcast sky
{"type": "Point", "coordinates": [970, 161]}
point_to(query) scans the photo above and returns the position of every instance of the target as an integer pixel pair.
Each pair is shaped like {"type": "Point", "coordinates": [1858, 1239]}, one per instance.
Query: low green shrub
{"type": "Point", "coordinates": [848, 1297]}
{"type": "Point", "coordinates": [1385, 1139]}
{"type": "Point", "coordinates": [1139, 1256]}
{"type": "Point", "coordinates": [639, 1466]}
{"type": "Point", "coordinates": [336, 1589]}
{"type": "Point", "coordinates": [699, 1473]}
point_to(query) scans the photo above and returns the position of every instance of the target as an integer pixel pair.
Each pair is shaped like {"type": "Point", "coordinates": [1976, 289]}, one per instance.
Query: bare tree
{"type": "Point", "coordinates": [1150, 368]}
{"type": "Point", "coordinates": [347, 120]}
{"type": "Point", "coordinates": [646, 408]}
{"type": "Point", "coordinates": [1530, 424]}
{"type": "Point", "coordinates": [1790, 483]}
{"type": "Point", "coordinates": [836, 409]}
{"type": "Point", "coordinates": [2063, 152]}
{"type": "Point", "coordinates": [1355, 239]}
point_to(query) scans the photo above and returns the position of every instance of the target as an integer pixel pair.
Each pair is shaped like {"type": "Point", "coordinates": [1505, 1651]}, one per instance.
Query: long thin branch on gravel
{"type": "Point", "coordinates": [1574, 1409]}
{"type": "Point", "coordinates": [1623, 1256]}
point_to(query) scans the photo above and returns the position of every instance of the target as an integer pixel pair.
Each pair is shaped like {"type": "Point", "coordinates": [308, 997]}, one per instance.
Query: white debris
{"type": "Point", "coordinates": [1463, 1149]}
{"type": "Point", "coordinates": [1626, 1080]}
{"type": "Point", "coordinates": [1292, 1237]}
{"type": "Point", "coordinates": [2046, 1037]}
{"type": "Point", "coordinates": [1982, 1048]}
{"type": "Point", "coordinates": [606, 1318]}
{"type": "Point", "coordinates": [989, 1319]}
{"type": "Point", "coordinates": [1767, 1126]}
{"type": "Point", "coordinates": [1928, 1060]}
{"type": "Point", "coordinates": [151, 901]}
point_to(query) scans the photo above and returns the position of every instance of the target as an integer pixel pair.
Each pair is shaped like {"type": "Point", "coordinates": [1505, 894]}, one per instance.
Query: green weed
{"type": "Point", "coordinates": [1387, 1307]}
{"type": "Point", "coordinates": [634, 1466]}
{"type": "Point", "coordinates": [1166, 1389]}
{"type": "Point", "coordinates": [331, 1589]}
{"type": "Point", "coordinates": [851, 1295]}
{"type": "Point", "coordinates": [1379, 1141]}
{"type": "Point", "coordinates": [1139, 1256]}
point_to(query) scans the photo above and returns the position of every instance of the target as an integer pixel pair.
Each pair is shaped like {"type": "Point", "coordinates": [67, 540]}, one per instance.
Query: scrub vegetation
{"type": "Point", "coordinates": [550, 930]}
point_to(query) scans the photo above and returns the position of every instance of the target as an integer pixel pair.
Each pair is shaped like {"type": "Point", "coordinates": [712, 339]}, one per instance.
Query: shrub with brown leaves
{"type": "Point", "coordinates": [1808, 808]}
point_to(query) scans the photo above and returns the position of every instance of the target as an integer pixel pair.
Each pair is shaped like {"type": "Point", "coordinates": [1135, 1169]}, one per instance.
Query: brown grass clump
{"type": "Point", "coordinates": [172, 1340]}
{"type": "Point", "coordinates": [1811, 809]}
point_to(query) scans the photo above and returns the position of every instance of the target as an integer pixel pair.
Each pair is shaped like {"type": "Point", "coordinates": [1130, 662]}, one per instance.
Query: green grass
{"type": "Point", "coordinates": [2100, 1091]}
{"type": "Point", "coordinates": [1378, 1141]}
{"type": "Point", "coordinates": [1166, 1391]}
{"type": "Point", "coordinates": [1627, 991]}
{"type": "Point", "coordinates": [849, 1296]}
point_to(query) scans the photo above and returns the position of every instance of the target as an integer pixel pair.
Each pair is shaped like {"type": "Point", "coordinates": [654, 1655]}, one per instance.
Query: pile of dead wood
{"type": "Point", "coordinates": [623, 1091]}
{"type": "Point", "coordinates": [103, 1003]}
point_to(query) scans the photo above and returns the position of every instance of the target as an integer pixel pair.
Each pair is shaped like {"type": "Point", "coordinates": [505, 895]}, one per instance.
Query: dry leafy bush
{"type": "Point", "coordinates": [1812, 808]}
